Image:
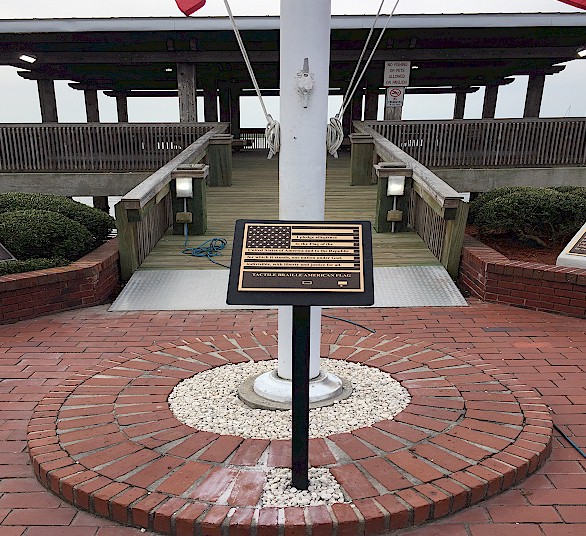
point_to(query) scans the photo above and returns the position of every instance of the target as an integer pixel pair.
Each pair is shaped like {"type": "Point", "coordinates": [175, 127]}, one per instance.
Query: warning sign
{"type": "Point", "coordinates": [397, 73]}
{"type": "Point", "coordinates": [395, 96]}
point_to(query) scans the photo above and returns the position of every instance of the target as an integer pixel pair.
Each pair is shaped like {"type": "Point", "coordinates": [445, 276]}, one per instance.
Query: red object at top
{"type": "Point", "coordinates": [576, 3]}
{"type": "Point", "coordinates": [188, 7]}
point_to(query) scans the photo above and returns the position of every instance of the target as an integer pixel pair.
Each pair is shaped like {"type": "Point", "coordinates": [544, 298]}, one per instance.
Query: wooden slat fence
{"type": "Point", "coordinates": [94, 147]}
{"type": "Point", "coordinates": [489, 142]}
{"type": "Point", "coordinates": [256, 136]}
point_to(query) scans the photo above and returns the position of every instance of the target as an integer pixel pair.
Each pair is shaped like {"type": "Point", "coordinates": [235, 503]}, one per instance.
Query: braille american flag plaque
{"type": "Point", "coordinates": [301, 263]}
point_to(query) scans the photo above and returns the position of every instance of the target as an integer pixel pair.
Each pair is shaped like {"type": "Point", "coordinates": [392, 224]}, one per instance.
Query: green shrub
{"type": "Point", "coordinates": [579, 191]}
{"type": "Point", "coordinates": [486, 197]}
{"type": "Point", "coordinates": [30, 234]}
{"type": "Point", "coordinates": [97, 222]}
{"type": "Point", "coordinates": [30, 265]}
{"type": "Point", "coordinates": [541, 215]}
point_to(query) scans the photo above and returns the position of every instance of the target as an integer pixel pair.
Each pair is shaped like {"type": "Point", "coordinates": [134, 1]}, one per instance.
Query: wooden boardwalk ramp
{"type": "Point", "coordinates": [254, 195]}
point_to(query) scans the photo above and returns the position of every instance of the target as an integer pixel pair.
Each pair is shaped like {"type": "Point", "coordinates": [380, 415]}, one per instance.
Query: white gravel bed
{"type": "Point", "coordinates": [322, 490]}
{"type": "Point", "coordinates": [209, 402]}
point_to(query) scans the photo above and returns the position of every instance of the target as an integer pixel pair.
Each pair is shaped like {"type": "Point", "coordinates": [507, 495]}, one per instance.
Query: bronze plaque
{"type": "Point", "coordinates": [273, 260]}
{"type": "Point", "coordinates": [579, 248]}
{"type": "Point", "coordinates": [298, 257]}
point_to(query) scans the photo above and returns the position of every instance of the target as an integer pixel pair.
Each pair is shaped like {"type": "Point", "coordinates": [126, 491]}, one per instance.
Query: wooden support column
{"type": "Point", "coordinates": [357, 106]}
{"type": "Point", "coordinates": [371, 104]}
{"type": "Point", "coordinates": [191, 210]}
{"type": "Point", "coordinates": [362, 160]}
{"type": "Point", "coordinates": [122, 108]}
{"type": "Point", "coordinates": [92, 113]}
{"type": "Point", "coordinates": [534, 95]}
{"type": "Point", "coordinates": [235, 92]}
{"type": "Point", "coordinates": [219, 158]}
{"type": "Point", "coordinates": [92, 109]}
{"type": "Point", "coordinates": [490, 99]}
{"type": "Point", "coordinates": [187, 87]}
{"type": "Point", "coordinates": [47, 101]}
{"type": "Point", "coordinates": [127, 241]}
{"type": "Point", "coordinates": [392, 113]}
{"type": "Point", "coordinates": [454, 238]}
{"type": "Point", "coordinates": [460, 104]}
{"type": "Point", "coordinates": [224, 104]}
{"type": "Point", "coordinates": [210, 101]}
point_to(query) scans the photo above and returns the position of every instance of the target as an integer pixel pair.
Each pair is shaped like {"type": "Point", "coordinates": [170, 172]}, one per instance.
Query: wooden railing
{"type": "Point", "coordinates": [489, 142]}
{"type": "Point", "coordinates": [145, 213]}
{"type": "Point", "coordinates": [435, 210]}
{"type": "Point", "coordinates": [94, 147]}
{"type": "Point", "coordinates": [256, 136]}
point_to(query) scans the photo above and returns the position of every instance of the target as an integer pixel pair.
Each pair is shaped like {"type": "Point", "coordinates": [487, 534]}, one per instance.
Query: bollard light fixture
{"type": "Point", "coordinates": [184, 187]}
{"type": "Point", "coordinates": [395, 185]}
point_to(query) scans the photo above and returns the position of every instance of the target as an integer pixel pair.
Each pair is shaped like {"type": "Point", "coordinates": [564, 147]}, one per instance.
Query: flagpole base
{"type": "Point", "coordinates": [269, 391]}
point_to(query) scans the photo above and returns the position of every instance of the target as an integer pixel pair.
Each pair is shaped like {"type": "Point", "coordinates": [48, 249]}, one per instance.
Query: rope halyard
{"type": "Point", "coordinates": [335, 133]}
{"type": "Point", "coordinates": [272, 130]}
{"type": "Point", "coordinates": [335, 136]}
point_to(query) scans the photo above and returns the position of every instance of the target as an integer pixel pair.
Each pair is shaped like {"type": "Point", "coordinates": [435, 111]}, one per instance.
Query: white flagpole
{"type": "Point", "coordinates": [305, 41]}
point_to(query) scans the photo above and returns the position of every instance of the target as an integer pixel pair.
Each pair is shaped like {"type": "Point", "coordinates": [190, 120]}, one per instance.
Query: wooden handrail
{"type": "Point", "coordinates": [94, 147]}
{"type": "Point", "coordinates": [529, 142]}
{"type": "Point", "coordinates": [433, 208]}
{"type": "Point", "coordinates": [140, 195]}
{"type": "Point", "coordinates": [145, 213]}
{"type": "Point", "coordinates": [442, 193]}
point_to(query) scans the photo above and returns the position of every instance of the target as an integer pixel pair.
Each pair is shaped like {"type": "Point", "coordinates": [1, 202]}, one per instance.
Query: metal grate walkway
{"type": "Point", "coordinates": [195, 290]}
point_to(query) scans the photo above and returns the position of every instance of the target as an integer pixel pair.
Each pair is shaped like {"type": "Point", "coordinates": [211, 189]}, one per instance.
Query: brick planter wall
{"type": "Point", "coordinates": [89, 281]}
{"type": "Point", "coordinates": [492, 277]}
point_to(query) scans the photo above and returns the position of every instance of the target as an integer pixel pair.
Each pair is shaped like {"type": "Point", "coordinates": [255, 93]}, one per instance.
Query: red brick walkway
{"type": "Point", "coordinates": [544, 351]}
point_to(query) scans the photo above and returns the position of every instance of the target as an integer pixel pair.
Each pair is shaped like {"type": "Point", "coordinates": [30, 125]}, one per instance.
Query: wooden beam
{"type": "Point", "coordinates": [217, 56]}
{"type": "Point", "coordinates": [47, 101]}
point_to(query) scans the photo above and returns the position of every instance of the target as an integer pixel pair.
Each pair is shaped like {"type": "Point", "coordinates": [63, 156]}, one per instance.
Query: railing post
{"type": "Point", "coordinates": [386, 211]}
{"type": "Point", "coordinates": [363, 156]}
{"type": "Point", "coordinates": [219, 158]}
{"type": "Point", "coordinates": [453, 240]}
{"type": "Point", "coordinates": [190, 210]}
{"type": "Point", "coordinates": [127, 242]}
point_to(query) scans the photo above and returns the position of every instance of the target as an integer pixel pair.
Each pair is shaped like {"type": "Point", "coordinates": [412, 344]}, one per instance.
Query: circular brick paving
{"type": "Point", "coordinates": [107, 442]}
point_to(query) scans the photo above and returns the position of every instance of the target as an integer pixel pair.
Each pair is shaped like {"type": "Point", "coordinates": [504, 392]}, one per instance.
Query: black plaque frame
{"type": "Point", "coordinates": [297, 296]}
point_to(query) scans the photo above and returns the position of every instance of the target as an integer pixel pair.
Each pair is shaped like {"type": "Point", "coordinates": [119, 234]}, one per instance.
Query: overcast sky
{"type": "Point", "coordinates": [564, 93]}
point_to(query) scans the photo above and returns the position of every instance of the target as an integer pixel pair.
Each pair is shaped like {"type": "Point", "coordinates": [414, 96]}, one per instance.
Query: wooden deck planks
{"type": "Point", "coordinates": [254, 195]}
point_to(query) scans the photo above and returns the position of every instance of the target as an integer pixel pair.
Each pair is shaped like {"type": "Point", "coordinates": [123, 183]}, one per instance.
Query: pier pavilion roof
{"type": "Point", "coordinates": [448, 52]}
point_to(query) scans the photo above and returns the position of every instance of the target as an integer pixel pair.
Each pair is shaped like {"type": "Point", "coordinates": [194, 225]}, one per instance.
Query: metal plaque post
{"type": "Point", "coordinates": [301, 264]}
{"type": "Point", "coordinates": [300, 402]}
